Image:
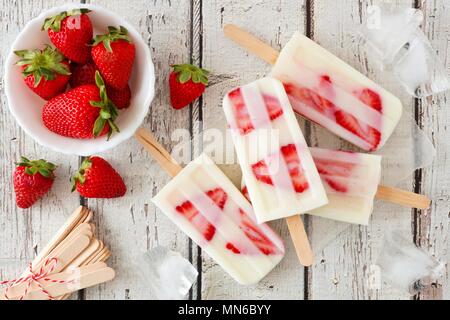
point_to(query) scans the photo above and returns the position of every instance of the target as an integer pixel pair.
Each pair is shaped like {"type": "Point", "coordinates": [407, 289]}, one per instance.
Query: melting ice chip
{"type": "Point", "coordinates": [394, 39]}
{"type": "Point", "coordinates": [167, 273]}
{"type": "Point", "coordinates": [406, 266]}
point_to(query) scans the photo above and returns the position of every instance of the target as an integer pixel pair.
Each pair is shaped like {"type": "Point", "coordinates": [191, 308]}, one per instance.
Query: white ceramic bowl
{"type": "Point", "coordinates": [26, 106]}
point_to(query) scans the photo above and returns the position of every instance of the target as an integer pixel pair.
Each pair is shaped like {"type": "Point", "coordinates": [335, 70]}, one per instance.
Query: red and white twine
{"type": "Point", "coordinates": [35, 277]}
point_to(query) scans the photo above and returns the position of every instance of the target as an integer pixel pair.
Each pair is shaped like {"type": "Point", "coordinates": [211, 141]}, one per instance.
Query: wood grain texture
{"type": "Point", "coordinates": [274, 22]}
{"type": "Point", "coordinates": [132, 225]}
{"type": "Point", "coordinates": [191, 30]}
{"type": "Point", "coordinates": [433, 225]}
{"type": "Point", "coordinates": [345, 264]}
{"type": "Point", "coordinates": [23, 233]}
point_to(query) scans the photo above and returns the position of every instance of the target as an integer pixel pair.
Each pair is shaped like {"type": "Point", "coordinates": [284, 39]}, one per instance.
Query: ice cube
{"type": "Point", "coordinates": [166, 272]}
{"type": "Point", "coordinates": [406, 266]}
{"type": "Point", "coordinates": [393, 38]}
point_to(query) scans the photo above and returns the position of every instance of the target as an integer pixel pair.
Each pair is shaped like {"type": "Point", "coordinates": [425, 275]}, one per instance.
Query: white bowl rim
{"type": "Point", "coordinates": [119, 137]}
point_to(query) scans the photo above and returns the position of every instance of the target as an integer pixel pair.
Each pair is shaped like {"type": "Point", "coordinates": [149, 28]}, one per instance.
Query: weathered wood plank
{"type": "Point", "coordinates": [24, 232]}
{"type": "Point", "coordinates": [433, 225]}
{"type": "Point", "coordinates": [344, 266]}
{"type": "Point", "coordinates": [132, 224]}
{"type": "Point", "coordinates": [231, 66]}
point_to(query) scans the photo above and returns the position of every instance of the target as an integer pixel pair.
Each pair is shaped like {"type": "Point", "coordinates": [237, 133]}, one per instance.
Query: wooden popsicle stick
{"type": "Point", "coordinates": [295, 224]}
{"type": "Point", "coordinates": [300, 239]}
{"type": "Point", "coordinates": [158, 152]}
{"type": "Point", "coordinates": [67, 253]}
{"type": "Point", "coordinates": [61, 234]}
{"type": "Point", "coordinates": [84, 259]}
{"type": "Point", "coordinates": [89, 216]}
{"type": "Point", "coordinates": [90, 250]}
{"type": "Point", "coordinates": [251, 43]}
{"type": "Point", "coordinates": [85, 277]}
{"type": "Point", "coordinates": [402, 197]}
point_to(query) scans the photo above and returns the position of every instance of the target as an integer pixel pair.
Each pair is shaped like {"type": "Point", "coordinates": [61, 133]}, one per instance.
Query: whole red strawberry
{"type": "Point", "coordinates": [96, 178]}
{"type": "Point", "coordinates": [46, 71]}
{"type": "Point", "coordinates": [187, 83]}
{"type": "Point", "coordinates": [120, 97]}
{"type": "Point", "coordinates": [83, 74]}
{"type": "Point", "coordinates": [84, 112]}
{"type": "Point", "coordinates": [71, 32]}
{"type": "Point", "coordinates": [113, 53]}
{"type": "Point", "coordinates": [32, 180]}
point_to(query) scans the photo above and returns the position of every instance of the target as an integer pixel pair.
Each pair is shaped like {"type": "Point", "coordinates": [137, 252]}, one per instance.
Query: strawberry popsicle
{"type": "Point", "coordinates": [351, 181]}
{"type": "Point", "coordinates": [206, 205]}
{"type": "Point", "coordinates": [326, 90]}
{"type": "Point", "coordinates": [275, 160]}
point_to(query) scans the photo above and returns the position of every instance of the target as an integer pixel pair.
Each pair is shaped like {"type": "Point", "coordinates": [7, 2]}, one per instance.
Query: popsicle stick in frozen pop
{"type": "Point", "coordinates": [206, 205]}
{"type": "Point", "coordinates": [328, 91]}
{"type": "Point", "coordinates": [276, 163]}
{"type": "Point", "coordinates": [351, 181]}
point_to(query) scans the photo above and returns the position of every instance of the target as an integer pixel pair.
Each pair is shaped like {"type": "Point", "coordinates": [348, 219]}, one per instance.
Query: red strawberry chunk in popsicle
{"type": "Point", "coordinates": [370, 98]}
{"type": "Point", "coordinates": [364, 131]}
{"type": "Point", "coordinates": [261, 172]}
{"type": "Point", "coordinates": [333, 167]}
{"type": "Point", "coordinates": [190, 212]}
{"type": "Point", "coordinates": [292, 160]}
{"type": "Point", "coordinates": [255, 235]}
{"type": "Point", "coordinates": [243, 121]}
{"type": "Point", "coordinates": [290, 155]}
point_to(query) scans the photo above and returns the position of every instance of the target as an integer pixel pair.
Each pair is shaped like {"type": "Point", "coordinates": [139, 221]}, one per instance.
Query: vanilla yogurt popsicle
{"type": "Point", "coordinates": [328, 91]}
{"type": "Point", "coordinates": [276, 162]}
{"type": "Point", "coordinates": [206, 205]}
{"type": "Point", "coordinates": [351, 181]}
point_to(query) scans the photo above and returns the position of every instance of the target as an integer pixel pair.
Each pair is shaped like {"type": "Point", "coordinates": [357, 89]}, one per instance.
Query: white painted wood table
{"type": "Point", "coordinates": [191, 30]}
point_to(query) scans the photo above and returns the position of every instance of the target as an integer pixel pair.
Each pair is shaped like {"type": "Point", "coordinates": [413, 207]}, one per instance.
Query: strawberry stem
{"type": "Point", "coordinates": [37, 166]}
{"type": "Point", "coordinates": [108, 111]}
{"type": "Point", "coordinates": [79, 176]}
{"type": "Point", "coordinates": [115, 34]}
{"type": "Point", "coordinates": [186, 72]}
{"type": "Point", "coordinates": [54, 22]}
{"type": "Point", "coordinates": [46, 63]}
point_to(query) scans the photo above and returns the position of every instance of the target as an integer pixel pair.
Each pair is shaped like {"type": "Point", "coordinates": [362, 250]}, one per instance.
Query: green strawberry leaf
{"type": "Point", "coordinates": [186, 72]}
{"type": "Point", "coordinates": [46, 63]}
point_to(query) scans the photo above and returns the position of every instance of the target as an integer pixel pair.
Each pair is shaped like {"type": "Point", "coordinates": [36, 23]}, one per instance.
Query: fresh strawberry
{"type": "Point", "coordinates": [364, 131]}
{"type": "Point", "coordinates": [84, 112]}
{"type": "Point", "coordinates": [242, 116]}
{"type": "Point", "coordinates": [83, 74]}
{"type": "Point", "coordinates": [369, 97]}
{"type": "Point", "coordinates": [295, 169]}
{"type": "Point", "coordinates": [46, 72]}
{"type": "Point", "coordinates": [71, 32]}
{"type": "Point", "coordinates": [261, 172]}
{"type": "Point", "coordinates": [190, 212]}
{"type": "Point", "coordinates": [120, 97]}
{"type": "Point", "coordinates": [96, 178]}
{"type": "Point", "coordinates": [113, 53]}
{"type": "Point", "coordinates": [186, 83]}
{"type": "Point", "coordinates": [32, 180]}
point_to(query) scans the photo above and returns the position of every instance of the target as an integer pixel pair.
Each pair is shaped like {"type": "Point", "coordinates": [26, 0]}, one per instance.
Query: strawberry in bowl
{"type": "Point", "coordinates": [134, 98]}
{"type": "Point", "coordinates": [46, 72]}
